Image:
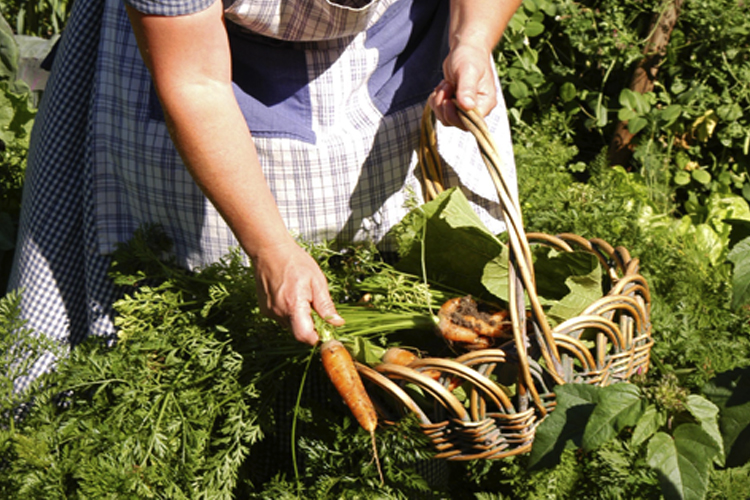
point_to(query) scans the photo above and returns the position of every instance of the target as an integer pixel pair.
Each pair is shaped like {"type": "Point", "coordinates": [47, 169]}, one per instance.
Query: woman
{"type": "Point", "coordinates": [294, 118]}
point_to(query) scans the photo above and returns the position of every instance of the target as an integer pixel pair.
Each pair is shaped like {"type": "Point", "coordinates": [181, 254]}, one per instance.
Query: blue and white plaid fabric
{"type": "Point", "coordinates": [335, 123]}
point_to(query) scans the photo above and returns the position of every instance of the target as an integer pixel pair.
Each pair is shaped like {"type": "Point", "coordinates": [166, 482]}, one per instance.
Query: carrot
{"type": "Point", "coordinates": [404, 357]}
{"type": "Point", "coordinates": [398, 356]}
{"type": "Point", "coordinates": [339, 366]}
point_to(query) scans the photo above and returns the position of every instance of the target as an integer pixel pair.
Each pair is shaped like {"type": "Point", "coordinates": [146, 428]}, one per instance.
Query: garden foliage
{"type": "Point", "coordinates": [196, 397]}
{"type": "Point", "coordinates": [16, 119]}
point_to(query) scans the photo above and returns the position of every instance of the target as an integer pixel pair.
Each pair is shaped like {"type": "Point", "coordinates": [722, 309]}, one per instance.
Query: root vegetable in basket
{"type": "Point", "coordinates": [404, 357]}
{"type": "Point", "coordinates": [463, 323]}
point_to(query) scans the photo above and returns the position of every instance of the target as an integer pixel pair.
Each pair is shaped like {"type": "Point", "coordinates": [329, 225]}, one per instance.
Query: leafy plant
{"type": "Point", "coordinates": [577, 59]}
{"type": "Point", "coordinates": [42, 18]}
{"type": "Point", "coordinates": [16, 119]}
{"type": "Point", "coordinates": [680, 431]}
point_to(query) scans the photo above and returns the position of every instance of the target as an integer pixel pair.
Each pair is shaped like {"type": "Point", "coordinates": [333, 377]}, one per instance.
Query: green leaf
{"type": "Point", "coordinates": [702, 176]}
{"type": "Point", "coordinates": [8, 52]}
{"type": "Point", "coordinates": [530, 5]}
{"type": "Point", "coordinates": [642, 104]}
{"type": "Point", "coordinates": [569, 281]}
{"type": "Point", "coordinates": [620, 406]}
{"type": "Point", "coordinates": [709, 242]}
{"type": "Point", "coordinates": [534, 29]}
{"type": "Point", "coordinates": [601, 115]}
{"type": "Point", "coordinates": [682, 178]}
{"type": "Point", "coordinates": [564, 427]}
{"type": "Point", "coordinates": [495, 276]}
{"type": "Point", "coordinates": [730, 112]}
{"type": "Point", "coordinates": [518, 89]}
{"type": "Point", "coordinates": [457, 245]}
{"type": "Point", "coordinates": [7, 112]}
{"type": "Point", "coordinates": [730, 391]}
{"type": "Point", "coordinates": [568, 91]}
{"type": "Point", "coordinates": [683, 461]}
{"type": "Point", "coordinates": [670, 113]}
{"type": "Point", "coordinates": [549, 7]}
{"type": "Point", "coordinates": [626, 114]}
{"type": "Point", "coordinates": [740, 257]}
{"type": "Point", "coordinates": [364, 350]}
{"type": "Point", "coordinates": [650, 422]}
{"type": "Point", "coordinates": [637, 124]}
{"type": "Point", "coordinates": [628, 99]}
{"type": "Point", "coordinates": [706, 413]}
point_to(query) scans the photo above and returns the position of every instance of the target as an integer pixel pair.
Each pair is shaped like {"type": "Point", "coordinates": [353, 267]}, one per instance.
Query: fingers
{"type": "Point", "coordinates": [441, 102]}
{"type": "Point", "coordinates": [302, 326]}
{"type": "Point", "coordinates": [300, 321]}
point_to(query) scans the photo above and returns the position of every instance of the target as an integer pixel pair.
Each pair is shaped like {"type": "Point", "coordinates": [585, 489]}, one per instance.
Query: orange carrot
{"type": "Point", "coordinates": [404, 357]}
{"type": "Point", "coordinates": [398, 356]}
{"type": "Point", "coordinates": [339, 366]}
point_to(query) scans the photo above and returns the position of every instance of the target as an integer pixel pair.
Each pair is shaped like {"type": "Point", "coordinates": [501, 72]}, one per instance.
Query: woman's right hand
{"type": "Point", "coordinates": [290, 285]}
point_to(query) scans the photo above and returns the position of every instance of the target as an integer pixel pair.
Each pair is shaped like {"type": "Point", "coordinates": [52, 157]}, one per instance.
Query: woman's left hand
{"type": "Point", "coordinates": [470, 78]}
{"type": "Point", "coordinates": [469, 74]}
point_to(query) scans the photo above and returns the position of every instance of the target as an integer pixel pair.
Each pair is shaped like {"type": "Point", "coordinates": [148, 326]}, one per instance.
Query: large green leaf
{"type": "Point", "coordinates": [707, 413]}
{"type": "Point", "coordinates": [620, 406]}
{"type": "Point", "coordinates": [457, 245]}
{"type": "Point", "coordinates": [566, 282]}
{"type": "Point", "coordinates": [650, 422]}
{"type": "Point", "coordinates": [740, 257]}
{"type": "Point", "coordinates": [7, 112]}
{"type": "Point", "coordinates": [564, 427]}
{"type": "Point", "coordinates": [683, 461]}
{"type": "Point", "coordinates": [730, 391]}
{"type": "Point", "coordinates": [8, 52]}
{"type": "Point", "coordinates": [585, 288]}
{"type": "Point", "coordinates": [495, 276]}
{"type": "Point", "coordinates": [460, 253]}
{"type": "Point", "coordinates": [709, 242]}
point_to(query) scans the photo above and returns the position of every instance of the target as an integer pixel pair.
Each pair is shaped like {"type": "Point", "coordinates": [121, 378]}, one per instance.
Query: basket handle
{"type": "Point", "coordinates": [521, 271]}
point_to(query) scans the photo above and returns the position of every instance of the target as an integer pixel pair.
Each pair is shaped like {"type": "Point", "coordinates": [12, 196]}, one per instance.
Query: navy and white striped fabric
{"type": "Point", "coordinates": [334, 114]}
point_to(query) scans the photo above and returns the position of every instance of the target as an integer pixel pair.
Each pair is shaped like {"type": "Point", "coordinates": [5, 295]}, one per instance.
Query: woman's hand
{"type": "Point", "coordinates": [469, 77]}
{"type": "Point", "coordinates": [290, 285]}
{"type": "Point", "coordinates": [469, 71]}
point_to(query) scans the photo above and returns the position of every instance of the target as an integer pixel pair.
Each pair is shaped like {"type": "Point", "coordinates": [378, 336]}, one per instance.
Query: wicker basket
{"type": "Point", "coordinates": [506, 391]}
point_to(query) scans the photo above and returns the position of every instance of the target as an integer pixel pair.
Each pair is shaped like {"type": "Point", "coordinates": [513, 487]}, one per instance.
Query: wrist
{"type": "Point", "coordinates": [473, 40]}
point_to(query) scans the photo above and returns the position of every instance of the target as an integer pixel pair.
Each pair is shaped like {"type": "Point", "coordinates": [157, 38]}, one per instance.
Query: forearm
{"type": "Point", "coordinates": [480, 22]}
{"type": "Point", "coordinates": [220, 154]}
{"type": "Point", "coordinates": [189, 60]}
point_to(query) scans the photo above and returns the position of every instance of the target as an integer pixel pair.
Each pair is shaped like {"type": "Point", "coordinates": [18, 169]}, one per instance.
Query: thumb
{"type": "Point", "coordinates": [466, 88]}
{"type": "Point", "coordinates": [323, 305]}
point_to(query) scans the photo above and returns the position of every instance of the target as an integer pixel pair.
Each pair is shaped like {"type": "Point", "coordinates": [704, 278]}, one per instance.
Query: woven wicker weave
{"type": "Point", "coordinates": [506, 391]}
